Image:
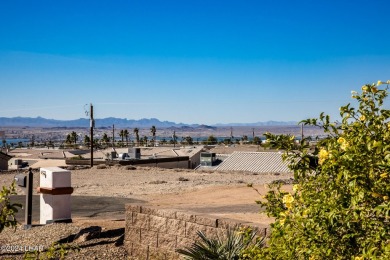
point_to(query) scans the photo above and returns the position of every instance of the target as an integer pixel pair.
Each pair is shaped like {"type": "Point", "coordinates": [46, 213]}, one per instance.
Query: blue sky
{"type": "Point", "coordinates": [189, 61]}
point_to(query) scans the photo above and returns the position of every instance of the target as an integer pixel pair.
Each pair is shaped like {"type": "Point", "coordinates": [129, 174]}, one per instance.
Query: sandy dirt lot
{"type": "Point", "coordinates": [207, 192]}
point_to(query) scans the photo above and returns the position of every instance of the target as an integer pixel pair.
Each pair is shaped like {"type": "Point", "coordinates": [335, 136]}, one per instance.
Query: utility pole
{"type": "Point", "coordinates": [174, 138]}
{"type": "Point", "coordinates": [29, 196]}
{"type": "Point", "coordinates": [253, 134]}
{"type": "Point", "coordinates": [113, 136]}
{"type": "Point", "coordinates": [92, 124]}
{"type": "Point", "coordinates": [302, 131]}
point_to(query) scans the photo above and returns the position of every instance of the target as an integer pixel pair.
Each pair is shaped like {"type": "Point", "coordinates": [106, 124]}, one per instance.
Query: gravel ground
{"type": "Point", "coordinates": [108, 245]}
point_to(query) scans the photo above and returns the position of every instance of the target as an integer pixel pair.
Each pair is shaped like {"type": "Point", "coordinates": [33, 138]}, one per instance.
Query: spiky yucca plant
{"type": "Point", "coordinates": [226, 247]}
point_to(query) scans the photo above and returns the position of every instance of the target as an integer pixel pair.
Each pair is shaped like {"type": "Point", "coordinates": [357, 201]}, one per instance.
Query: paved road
{"type": "Point", "coordinates": [82, 207]}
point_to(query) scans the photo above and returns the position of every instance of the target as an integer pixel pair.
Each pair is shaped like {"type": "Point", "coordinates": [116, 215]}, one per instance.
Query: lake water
{"type": "Point", "coordinates": [16, 140]}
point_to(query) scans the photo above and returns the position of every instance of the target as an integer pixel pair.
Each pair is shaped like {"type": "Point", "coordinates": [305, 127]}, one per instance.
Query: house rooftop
{"type": "Point", "coordinates": [5, 156]}
{"type": "Point", "coordinates": [258, 162]}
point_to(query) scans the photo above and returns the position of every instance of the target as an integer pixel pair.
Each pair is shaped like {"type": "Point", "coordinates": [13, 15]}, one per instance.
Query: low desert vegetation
{"type": "Point", "coordinates": [183, 179]}
{"type": "Point", "coordinates": [130, 167]}
{"type": "Point", "coordinates": [157, 182]}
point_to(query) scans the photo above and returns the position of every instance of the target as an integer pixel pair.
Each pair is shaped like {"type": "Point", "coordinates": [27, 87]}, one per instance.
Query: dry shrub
{"type": "Point", "coordinates": [157, 182]}
{"type": "Point", "coordinates": [183, 179]}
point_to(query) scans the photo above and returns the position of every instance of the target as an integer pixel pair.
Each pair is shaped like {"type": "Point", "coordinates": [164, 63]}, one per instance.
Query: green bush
{"type": "Point", "coordinates": [339, 208]}
{"type": "Point", "coordinates": [8, 209]}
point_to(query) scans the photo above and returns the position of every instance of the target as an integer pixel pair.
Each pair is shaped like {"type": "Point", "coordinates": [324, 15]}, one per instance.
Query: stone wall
{"type": "Point", "coordinates": [155, 234]}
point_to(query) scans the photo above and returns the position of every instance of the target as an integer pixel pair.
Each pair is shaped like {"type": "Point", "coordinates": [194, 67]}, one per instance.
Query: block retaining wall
{"type": "Point", "coordinates": [155, 234]}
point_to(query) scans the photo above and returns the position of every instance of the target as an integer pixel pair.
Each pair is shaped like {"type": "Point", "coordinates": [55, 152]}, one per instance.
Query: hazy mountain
{"type": "Point", "coordinates": [268, 123]}
{"type": "Point", "coordinates": [119, 122]}
{"type": "Point", "coordinates": [83, 122]}
{"type": "Point", "coordinates": [194, 127]}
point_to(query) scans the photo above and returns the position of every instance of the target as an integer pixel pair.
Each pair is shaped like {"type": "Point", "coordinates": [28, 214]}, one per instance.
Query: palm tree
{"type": "Point", "coordinates": [163, 141]}
{"type": "Point", "coordinates": [87, 140]}
{"type": "Point", "coordinates": [189, 140]}
{"type": "Point", "coordinates": [136, 132]}
{"type": "Point", "coordinates": [126, 134]}
{"type": "Point", "coordinates": [74, 137]}
{"type": "Point", "coordinates": [68, 139]}
{"type": "Point", "coordinates": [105, 138]}
{"type": "Point", "coordinates": [32, 140]}
{"type": "Point", "coordinates": [122, 135]}
{"type": "Point", "coordinates": [257, 140]}
{"type": "Point", "coordinates": [96, 143]}
{"type": "Point", "coordinates": [174, 137]}
{"type": "Point", "coordinates": [145, 140]}
{"type": "Point", "coordinates": [212, 140]}
{"type": "Point", "coordinates": [153, 131]}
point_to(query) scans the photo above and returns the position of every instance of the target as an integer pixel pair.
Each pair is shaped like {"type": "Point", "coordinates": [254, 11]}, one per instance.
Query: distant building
{"type": "Point", "coordinates": [207, 159]}
{"type": "Point", "coordinates": [4, 158]}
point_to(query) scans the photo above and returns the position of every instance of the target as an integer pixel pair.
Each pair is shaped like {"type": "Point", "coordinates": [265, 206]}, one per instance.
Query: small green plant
{"type": "Point", "coordinates": [234, 244]}
{"type": "Point", "coordinates": [55, 251]}
{"type": "Point", "coordinates": [254, 244]}
{"type": "Point", "coordinates": [8, 209]}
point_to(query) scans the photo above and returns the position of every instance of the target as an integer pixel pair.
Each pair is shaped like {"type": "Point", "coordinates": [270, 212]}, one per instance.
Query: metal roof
{"type": "Point", "coordinates": [259, 162]}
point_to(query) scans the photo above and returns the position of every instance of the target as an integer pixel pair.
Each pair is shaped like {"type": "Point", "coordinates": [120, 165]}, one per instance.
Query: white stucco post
{"type": "Point", "coordinates": [55, 195]}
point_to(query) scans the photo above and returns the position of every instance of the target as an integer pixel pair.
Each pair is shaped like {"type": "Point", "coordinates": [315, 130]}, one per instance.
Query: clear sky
{"type": "Point", "coordinates": [189, 61]}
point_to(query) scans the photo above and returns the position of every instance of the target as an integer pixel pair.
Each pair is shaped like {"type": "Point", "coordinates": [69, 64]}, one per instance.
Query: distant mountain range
{"type": "Point", "coordinates": [118, 122]}
{"type": "Point", "coordinates": [268, 123]}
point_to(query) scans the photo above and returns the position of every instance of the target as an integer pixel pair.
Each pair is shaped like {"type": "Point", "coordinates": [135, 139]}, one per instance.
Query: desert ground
{"type": "Point", "coordinates": [221, 194]}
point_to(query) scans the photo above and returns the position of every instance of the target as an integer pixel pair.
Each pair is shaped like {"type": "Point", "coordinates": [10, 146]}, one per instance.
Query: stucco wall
{"type": "Point", "coordinates": [155, 234]}
{"type": "Point", "coordinates": [169, 163]}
